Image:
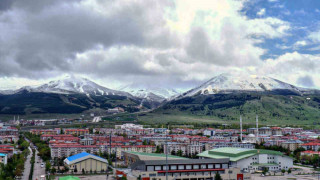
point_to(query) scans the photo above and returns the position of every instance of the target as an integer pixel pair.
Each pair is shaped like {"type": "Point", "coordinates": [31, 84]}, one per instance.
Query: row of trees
{"type": "Point", "coordinates": [15, 164]}
{"type": "Point", "coordinates": [43, 147]}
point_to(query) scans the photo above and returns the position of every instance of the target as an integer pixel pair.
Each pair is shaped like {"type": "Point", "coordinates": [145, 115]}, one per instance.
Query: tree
{"type": "Point", "coordinates": [218, 177]}
{"type": "Point", "coordinates": [145, 142]}
{"type": "Point", "coordinates": [265, 170]}
{"type": "Point", "coordinates": [283, 171]}
{"type": "Point", "coordinates": [53, 170]}
{"type": "Point", "coordinates": [289, 171]}
{"type": "Point", "coordinates": [179, 153]}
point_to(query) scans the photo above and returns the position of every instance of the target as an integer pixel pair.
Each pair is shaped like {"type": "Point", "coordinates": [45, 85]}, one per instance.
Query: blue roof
{"type": "Point", "coordinates": [81, 155]}
{"type": "Point", "coordinates": [1, 154]}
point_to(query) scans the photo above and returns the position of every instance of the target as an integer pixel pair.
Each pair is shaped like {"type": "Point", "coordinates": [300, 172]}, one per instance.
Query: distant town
{"type": "Point", "coordinates": [134, 151]}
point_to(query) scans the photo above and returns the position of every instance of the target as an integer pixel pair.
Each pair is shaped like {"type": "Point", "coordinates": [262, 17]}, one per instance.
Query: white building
{"type": "Point", "coordinates": [129, 126]}
{"type": "Point", "coordinates": [251, 160]}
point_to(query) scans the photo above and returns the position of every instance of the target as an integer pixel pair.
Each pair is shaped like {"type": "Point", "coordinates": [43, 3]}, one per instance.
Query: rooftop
{"type": "Point", "coordinates": [235, 154]}
{"type": "Point", "coordinates": [155, 155]}
{"type": "Point", "coordinates": [83, 154]}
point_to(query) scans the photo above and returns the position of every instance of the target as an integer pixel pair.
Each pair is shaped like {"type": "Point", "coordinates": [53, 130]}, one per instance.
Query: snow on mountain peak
{"type": "Point", "coordinates": [73, 84]}
{"type": "Point", "coordinates": [241, 82]}
{"type": "Point", "coordinates": [149, 92]}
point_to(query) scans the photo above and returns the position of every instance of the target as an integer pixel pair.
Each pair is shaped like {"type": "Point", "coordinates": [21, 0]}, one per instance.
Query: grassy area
{"type": "Point", "coordinates": [272, 110]}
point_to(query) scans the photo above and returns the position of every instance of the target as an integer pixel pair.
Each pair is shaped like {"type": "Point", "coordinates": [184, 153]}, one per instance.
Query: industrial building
{"type": "Point", "coordinates": [251, 160]}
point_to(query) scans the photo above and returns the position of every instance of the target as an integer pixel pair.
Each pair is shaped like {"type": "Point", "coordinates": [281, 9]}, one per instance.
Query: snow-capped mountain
{"type": "Point", "coordinates": [227, 82]}
{"type": "Point", "coordinates": [150, 93]}
{"type": "Point", "coordinates": [72, 84]}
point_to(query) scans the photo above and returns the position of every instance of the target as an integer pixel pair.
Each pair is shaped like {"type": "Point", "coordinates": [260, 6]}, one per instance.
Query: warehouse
{"type": "Point", "coordinates": [86, 162]}
{"type": "Point", "coordinates": [251, 160]}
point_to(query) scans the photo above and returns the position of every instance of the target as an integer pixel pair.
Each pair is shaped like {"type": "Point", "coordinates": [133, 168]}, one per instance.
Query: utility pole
{"type": "Point", "coordinates": [110, 149]}
{"type": "Point", "coordinates": [241, 128]}
{"type": "Point", "coordinates": [167, 167]}
{"type": "Point", "coordinates": [257, 130]}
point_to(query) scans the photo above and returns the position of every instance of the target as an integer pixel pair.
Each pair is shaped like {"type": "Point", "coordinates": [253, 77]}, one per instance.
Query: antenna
{"type": "Point", "coordinates": [257, 130]}
{"type": "Point", "coordinates": [241, 128]}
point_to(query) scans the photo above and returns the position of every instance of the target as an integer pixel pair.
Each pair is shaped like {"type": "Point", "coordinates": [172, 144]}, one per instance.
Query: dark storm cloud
{"type": "Point", "coordinates": [44, 36]}
{"type": "Point", "coordinates": [5, 4]}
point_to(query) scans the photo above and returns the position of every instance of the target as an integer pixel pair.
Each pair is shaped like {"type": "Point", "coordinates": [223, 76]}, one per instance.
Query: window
{"type": "Point", "coordinates": [203, 166]}
{"type": "Point", "coordinates": [164, 167]}
{"type": "Point", "coordinates": [173, 167]}
{"type": "Point", "coordinates": [225, 166]}
{"type": "Point", "coordinates": [188, 166]}
{"type": "Point", "coordinates": [217, 166]}
{"type": "Point", "coordinates": [157, 168]}
{"type": "Point", "coordinates": [181, 167]}
{"type": "Point", "coordinates": [150, 168]}
{"type": "Point", "coordinates": [210, 166]}
{"type": "Point", "coordinates": [196, 166]}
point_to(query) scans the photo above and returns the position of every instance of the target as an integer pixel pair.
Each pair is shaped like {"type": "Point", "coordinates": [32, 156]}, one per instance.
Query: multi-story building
{"type": "Point", "coordinates": [65, 150]}
{"type": "Point", "coordinates": [314, 146]}
{"type": "Point", "coordinates": [7, 130]}
{"type": "Point", "coordinates": [45, 131]}
{"type": "Point", "coordinates": [65, 137]}
{"type": "Point", "coordinates": [292, 144]}
{"type": "Point", "coordinates": [77, 132]}
{"type": "Point", "coordinates": [185, 148]}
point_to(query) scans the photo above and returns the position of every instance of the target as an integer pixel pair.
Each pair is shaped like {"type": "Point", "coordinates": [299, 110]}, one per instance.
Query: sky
{"type": "Point", "coordinates": [168, 43]}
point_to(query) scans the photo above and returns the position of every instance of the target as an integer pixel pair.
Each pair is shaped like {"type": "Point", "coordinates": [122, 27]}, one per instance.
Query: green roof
{"type": "Point", "coordinates": [235, 154]}
{"type": "Point", "coordinates": [155, 155]}
{"type": "Point", "coordinates": [69, 178]}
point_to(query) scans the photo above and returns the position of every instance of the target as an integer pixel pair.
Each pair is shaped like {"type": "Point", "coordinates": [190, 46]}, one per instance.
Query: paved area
{"type": "Point", "coordinates": [97, 177]}
{"type": "Point", "coordinates": [285, 177]}
{"type": "Point", "coordinates": [27, 165]}
{"type": "Point", "coordinates": [38, 170]}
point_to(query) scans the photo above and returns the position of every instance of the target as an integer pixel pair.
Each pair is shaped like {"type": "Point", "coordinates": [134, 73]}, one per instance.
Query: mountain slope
{"type": "Point", "coordinates": [68, 95]}
{"type": "Point", "coordinates": [152, 93]}
{"type": "Point", "coordinates": [71, 84]}
{"type": "Point", "coordinates": [223, 98]}
{"type": "Point", "coordinates": [227, 83]}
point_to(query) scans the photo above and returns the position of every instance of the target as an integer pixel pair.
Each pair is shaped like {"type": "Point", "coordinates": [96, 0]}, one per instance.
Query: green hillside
{"type": "Point", "coordinates": [226, 108]}
{"type": "Point", "coordinates": [42, 103]}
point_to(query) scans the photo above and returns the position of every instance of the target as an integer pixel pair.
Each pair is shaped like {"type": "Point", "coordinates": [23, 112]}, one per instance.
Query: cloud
{"type": "Point", "coordinates": [305, 81]}
{"type": "Point", "coordinates": [261, 12]}
{"type": "Point", "coordinates": [290, 67]}
{"type": "Point", "coordinates": [300, 43]}
{"type": "Point", "coordinates": [175, 43]}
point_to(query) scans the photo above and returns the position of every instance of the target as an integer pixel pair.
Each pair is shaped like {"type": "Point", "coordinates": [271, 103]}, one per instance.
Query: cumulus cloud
{"type": "Point", "coordinates": [173, 43]}
{"type": "Point", "coordinates": [261, 12]}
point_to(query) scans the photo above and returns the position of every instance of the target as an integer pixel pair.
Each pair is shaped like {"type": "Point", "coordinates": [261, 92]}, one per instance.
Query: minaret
{"type": "Point", "coordinates": [241, 128]}
{"type": "Point", "coordinates": [257, 130]}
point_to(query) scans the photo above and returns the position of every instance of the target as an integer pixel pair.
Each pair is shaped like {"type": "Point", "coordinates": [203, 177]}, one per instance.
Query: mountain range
{"type": "Point", "coordinates": [223, 97]}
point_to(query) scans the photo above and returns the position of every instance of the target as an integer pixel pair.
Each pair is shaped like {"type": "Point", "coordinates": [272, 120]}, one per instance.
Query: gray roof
{"type": "Point", "coordinates": [142, 164]}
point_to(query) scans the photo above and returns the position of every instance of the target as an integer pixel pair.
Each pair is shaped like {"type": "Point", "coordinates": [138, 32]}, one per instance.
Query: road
{"type": "Point", "coordinates": [27, 165]}
{"type": "Point", "coordinates": [38, 170]}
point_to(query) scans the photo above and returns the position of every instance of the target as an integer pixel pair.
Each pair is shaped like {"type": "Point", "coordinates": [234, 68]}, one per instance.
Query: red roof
{"type": "Point", "coordinates": [311, 152]}
{"type": "Point", "coordinates": [311, 144]}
